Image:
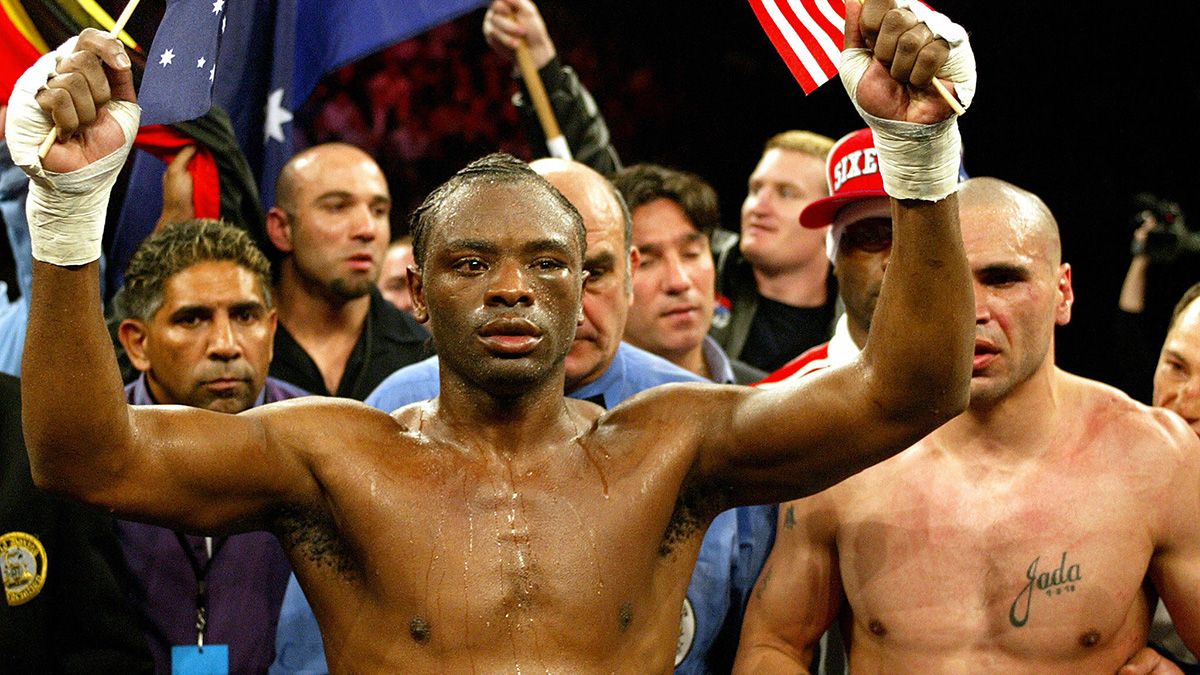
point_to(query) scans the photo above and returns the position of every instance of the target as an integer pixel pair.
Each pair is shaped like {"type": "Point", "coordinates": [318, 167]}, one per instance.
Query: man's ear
{"type": "Point", "coordinates": [279, 229]}
{"type": "Point", "coordinates": [272, 324]}
{"type": "Point", "coordinates": [416, 289]}
{"type": "Point", "coordinates": [1066, 295]}
{"type": "Point", "coordinates": [632, 262]}
{"type": "Point", "coordinates": [133, 334]}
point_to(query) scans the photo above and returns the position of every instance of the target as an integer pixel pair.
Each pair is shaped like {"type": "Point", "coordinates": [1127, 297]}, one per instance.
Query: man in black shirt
{"type": "Point", "coordinates": [64, 609]}
{"type": "Point", "coordinates": [337, 336]}
{"type": "Point", "coordinates": [777, 296]}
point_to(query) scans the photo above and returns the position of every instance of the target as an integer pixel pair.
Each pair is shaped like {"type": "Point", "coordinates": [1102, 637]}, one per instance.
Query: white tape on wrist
{"type": "Point", "coordinates": [66, 211]}
{"type": "Point", "coordinates": [919, 161]}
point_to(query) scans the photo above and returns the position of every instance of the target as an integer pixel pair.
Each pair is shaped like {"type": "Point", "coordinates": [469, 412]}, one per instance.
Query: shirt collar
{"type": "Point", "coordinates": [138, 393]}
{"type": "Point", "coordinates": [720, 368]}
{"type": "Point", "coordinates": [842, 349]}
{"type": "Point", "coordinates": [607, 380]}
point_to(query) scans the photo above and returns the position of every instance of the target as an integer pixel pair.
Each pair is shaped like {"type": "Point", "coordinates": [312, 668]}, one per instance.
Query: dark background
{"type": "Point", "coordinates": [1082, 105]}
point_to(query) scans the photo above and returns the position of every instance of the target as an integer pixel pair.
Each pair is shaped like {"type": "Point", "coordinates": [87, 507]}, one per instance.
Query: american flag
{"type": "Point", "coordinates": [808, 34]}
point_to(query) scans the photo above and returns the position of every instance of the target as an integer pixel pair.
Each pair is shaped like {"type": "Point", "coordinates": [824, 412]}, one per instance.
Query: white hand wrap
{"type": "Point", "coordinates": [66, 211]}
{"type": "Point", "coordinates": [919, 161]}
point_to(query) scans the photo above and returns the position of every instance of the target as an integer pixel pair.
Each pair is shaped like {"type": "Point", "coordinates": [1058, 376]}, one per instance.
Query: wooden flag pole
{"type": "Point", "coordinates": [48, 143]}
{"type": "Point", "coordinates": [948, 97]}
{"type": "Point", "coordinates": [555, 142]}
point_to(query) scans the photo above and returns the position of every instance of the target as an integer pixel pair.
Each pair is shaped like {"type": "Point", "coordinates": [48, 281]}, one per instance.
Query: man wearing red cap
{"type": "Point", "coordinates": [1012, 538]}
{"type": "Point", "coordinates": [858, 212]}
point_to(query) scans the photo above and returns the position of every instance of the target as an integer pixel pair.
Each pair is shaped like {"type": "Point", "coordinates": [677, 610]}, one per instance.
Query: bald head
{"type": "Point", "coordinates": [304, 166]}
{"type": "Point", "coordinates": [609, 262]}
{"type": "Point", "coordinates": [598, 201]}
{"type": "Point", "coordinates": [1027, 216]}
{"type": "Point", "coordinates": [331, 223]}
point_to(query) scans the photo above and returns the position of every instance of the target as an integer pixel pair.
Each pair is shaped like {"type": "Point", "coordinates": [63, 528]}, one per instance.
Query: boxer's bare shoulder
{"type": "Point", "coordinates": [1128, 433]}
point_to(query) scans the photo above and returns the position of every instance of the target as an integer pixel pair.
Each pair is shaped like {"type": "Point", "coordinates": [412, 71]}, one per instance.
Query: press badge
{"type": "Point", "coordinates": [192, 660]}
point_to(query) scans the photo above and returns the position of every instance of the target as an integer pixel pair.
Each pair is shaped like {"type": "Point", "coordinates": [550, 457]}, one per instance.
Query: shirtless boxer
{"type": "Point", "coordinates": [1029, 534]}
{"type": "Point", "coordinates": [500, 526]}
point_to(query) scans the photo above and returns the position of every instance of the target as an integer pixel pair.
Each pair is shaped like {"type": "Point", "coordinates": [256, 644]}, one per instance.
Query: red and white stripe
{"type": "Point", "coordinates": [808, 34]}
{"type": "Point", "coordinates": [807, 363]}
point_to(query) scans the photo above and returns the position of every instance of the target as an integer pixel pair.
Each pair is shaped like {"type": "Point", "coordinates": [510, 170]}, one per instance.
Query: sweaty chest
{"type": "Point", "coordinates": [463, 558]}
{"type": "Point", "coordinates": [1048, 563]}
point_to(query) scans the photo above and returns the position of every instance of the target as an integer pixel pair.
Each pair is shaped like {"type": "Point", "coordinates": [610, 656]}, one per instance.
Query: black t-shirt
{"type": "Point", "coordinates": [389, 341]}
{"type": "Point", "coordinates": [780, 333]}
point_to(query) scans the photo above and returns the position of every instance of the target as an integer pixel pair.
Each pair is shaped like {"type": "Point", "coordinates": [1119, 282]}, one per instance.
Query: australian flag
{"type": "Point", "coordinates": [259, 60]}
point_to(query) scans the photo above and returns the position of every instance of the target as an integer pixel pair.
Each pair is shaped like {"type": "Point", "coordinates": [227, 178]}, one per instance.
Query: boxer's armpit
{"type": "Point", "coordinates": [312, 534]}
{"type": "Point", "coordinates": [697, 504]}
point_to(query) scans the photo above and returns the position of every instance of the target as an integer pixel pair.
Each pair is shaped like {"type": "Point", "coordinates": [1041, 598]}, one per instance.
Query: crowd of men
{"type": "Point", "coordinates": [567, 422]}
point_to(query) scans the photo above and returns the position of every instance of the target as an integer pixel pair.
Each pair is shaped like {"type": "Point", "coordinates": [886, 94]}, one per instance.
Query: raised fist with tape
{"type": "Point", "coordinates": [85, 89]}
{"type": "Point", "coordinates": [894, 49]}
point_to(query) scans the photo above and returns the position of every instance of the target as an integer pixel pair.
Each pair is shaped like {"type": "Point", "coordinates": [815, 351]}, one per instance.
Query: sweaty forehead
{"type": "Point", "coordinates": [502, 210]}
{"type": "Point", "coordinates": [990, 238]}
{"type": "Point", "coordinates": [997, 214]}
{"type": "Point", "coordinates": [1013, 233]}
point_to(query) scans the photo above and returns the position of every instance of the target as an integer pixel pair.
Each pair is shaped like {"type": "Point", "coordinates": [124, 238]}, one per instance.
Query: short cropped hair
{"type": "Point", "coordinates": [805, 142]}
{"type": "Point", "coordinates": [497, 168]}
{"type": "Point", "coordinates": [1189, 296]}
{"type": "Point", "coordinates": [177, 247]}
{"type": "Point", "coordinates": [643, 183]}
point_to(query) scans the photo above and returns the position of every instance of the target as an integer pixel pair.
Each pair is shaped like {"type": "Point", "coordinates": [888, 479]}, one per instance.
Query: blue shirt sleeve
{"type": "Point", "coordinates": [418, 382]}
{"type": "Point", "coordinates": [14, 317]}
{"type": "Point", "coordinates": [298, 646]}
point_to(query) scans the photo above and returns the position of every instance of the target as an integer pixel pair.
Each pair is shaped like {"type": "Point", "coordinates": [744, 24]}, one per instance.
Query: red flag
{"type": "Point", "coordinates": [808, 34]}
{"type": "Point", "coordinates": [164, 143]}
{"type": "Point", "coordinates": [17, 53]}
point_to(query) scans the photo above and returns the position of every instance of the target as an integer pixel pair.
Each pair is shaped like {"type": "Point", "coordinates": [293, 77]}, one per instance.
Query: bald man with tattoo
{"type": "Point", "coordinates": [1032, 533]}
{"type": "Point", "coordinates": [500, 526]}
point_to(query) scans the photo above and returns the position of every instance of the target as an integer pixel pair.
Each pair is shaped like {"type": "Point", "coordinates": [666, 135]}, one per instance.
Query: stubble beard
{"type": "Point", "coordinates": [350, 289]}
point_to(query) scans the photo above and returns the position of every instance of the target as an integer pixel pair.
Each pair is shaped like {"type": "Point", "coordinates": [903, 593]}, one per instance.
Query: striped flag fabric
{"type": "Point", "coordinates": [808, 35]}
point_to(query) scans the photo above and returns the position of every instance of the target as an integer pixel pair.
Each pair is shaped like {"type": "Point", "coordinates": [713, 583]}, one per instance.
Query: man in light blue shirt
{"type": "Point", "coordinates": [14, 315]}
{"type": "Point", "coordinates": [602, 369]}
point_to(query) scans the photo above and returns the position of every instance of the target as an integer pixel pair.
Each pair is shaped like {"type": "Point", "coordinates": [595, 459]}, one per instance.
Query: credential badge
{"type": "Point", "coordinates": [22, 566]}
{"type": "Point", "coordinates": [687, 632]}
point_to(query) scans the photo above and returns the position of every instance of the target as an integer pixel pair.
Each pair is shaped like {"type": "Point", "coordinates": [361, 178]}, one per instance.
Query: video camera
{"type": "Point", "coordinates": [1169, 237]}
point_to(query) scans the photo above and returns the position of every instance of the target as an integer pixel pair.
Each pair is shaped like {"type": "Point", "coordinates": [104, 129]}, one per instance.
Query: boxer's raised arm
{"type": "Point", "coordinates": [182, 466]}
{"type": "Point", "coordinates": [914, 372]}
